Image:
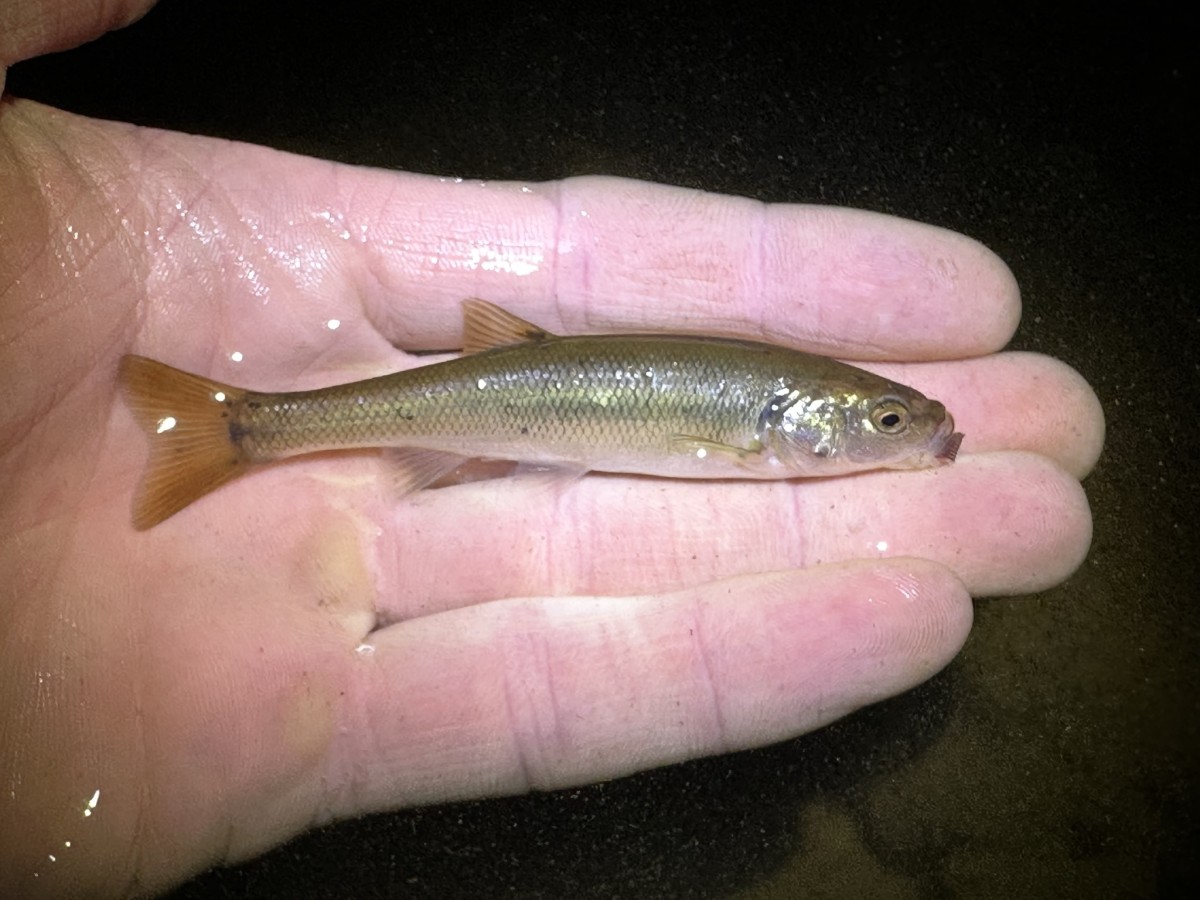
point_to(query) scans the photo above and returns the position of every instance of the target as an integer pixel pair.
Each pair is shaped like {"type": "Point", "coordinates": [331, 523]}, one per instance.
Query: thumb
{"type": "Point", "coordinates": [33, 27]}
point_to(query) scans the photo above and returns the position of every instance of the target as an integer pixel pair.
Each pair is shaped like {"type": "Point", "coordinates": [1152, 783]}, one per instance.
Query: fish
{"type": "Point", "coordinates": [666, 405]}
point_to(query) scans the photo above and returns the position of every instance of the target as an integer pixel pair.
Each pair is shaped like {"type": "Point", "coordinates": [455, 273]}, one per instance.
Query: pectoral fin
{"type": "Point", "coordinates": [703, 447]}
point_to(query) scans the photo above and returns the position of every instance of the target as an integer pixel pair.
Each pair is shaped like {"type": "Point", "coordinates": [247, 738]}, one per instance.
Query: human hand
{"type": "Point", "coordinates": [297, 647]}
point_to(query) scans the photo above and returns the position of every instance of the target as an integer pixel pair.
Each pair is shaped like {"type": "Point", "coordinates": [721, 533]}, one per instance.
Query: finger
{"type": "Point", "coordinates": [545, 693]}
{"type": "Point", "coordinates": [271, 263]}
{"type": "Point", "coordinates": [1005, 523]}
{"type": "Point", "coordinates": [257, 253]}
{"type": "Point", "coordinates": [597, 254]}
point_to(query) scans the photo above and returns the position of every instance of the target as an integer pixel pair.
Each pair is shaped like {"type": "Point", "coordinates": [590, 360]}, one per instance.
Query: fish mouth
{"type": "Point", "coordinates": [947, 448]}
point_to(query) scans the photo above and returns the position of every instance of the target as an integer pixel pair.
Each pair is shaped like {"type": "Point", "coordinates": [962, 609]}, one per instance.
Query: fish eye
{"type": "Point", "coordinates": [890, 417]}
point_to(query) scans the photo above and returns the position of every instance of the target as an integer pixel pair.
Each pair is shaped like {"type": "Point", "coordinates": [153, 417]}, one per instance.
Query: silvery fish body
{"type": "Point", "coordinates": [664, 405]}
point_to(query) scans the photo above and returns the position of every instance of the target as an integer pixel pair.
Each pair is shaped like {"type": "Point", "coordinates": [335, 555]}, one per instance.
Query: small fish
{"type": "Point", "coordinates": [653, 404]}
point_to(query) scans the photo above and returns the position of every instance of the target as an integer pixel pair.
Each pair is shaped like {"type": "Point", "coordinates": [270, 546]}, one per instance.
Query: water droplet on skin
{"type": "Point", "coordinates": [491, 259]}
{"type": "Point", "coordinates": [333, 324]}
{"type": "Point", "coordinates": [236, 356]}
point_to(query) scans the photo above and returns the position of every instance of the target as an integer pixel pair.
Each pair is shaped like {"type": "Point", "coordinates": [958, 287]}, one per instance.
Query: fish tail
{"type": "Point", "coordinates": [192, 427]}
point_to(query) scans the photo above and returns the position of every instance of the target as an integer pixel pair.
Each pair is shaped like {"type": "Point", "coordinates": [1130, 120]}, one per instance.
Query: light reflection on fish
{"type": "Point", "coordinates": [666, 405]}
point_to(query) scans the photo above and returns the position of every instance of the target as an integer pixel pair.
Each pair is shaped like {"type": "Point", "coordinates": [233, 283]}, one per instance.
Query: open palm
{"type": "Point", "coordinates": [299, 646]}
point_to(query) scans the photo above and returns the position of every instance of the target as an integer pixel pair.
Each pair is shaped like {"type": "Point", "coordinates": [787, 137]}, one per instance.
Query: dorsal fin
{"type": "Point", "coordinates": [486, 325]}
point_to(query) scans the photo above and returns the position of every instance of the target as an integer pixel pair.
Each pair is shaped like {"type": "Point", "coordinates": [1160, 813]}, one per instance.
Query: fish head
{"type": "Point", "coordinates": [851, 430]}
{"type": "Point", "coordinates": [902, 431]}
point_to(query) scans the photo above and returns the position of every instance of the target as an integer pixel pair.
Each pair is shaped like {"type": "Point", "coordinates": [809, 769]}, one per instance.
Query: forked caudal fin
{"type": "Point", "coordinates": [187, 421]}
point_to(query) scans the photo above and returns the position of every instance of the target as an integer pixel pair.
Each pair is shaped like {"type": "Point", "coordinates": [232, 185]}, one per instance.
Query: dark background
{"type": "Point", "coordinates": [1057, 755]}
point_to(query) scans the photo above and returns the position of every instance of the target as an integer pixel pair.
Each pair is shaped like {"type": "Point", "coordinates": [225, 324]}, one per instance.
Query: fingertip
{"type": "Point", "coordinates": [1061, 519]}
{"type": "Point", "coordinates": [831, 639]}
{"type": "Point", "coordinates": [1000, 304]}
{"type": "Point", "coordinates": [1074, 428]}
{"type": "Point", "coordinates": [1011, 522]}
{"type": "Point", "coordinates": [1020, 401]}
{"type": "Point", "coordinates": [943, 617]}
{"type": "Point", "coordinates": [977, 296]}
{"type": "Point", "coordinates": [882, 287]}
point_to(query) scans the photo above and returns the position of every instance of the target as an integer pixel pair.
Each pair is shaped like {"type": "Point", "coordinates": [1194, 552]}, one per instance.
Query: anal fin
{"type": "Point", "coordinates": [412, 468]}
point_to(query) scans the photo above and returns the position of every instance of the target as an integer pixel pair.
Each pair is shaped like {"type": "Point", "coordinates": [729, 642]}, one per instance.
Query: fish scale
{"type": "Point", "coordinates": [617, 398]}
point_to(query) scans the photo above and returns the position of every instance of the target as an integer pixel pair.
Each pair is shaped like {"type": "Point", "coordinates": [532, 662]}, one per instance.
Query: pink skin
{"type": "Point", "coordinates": [270, 657]}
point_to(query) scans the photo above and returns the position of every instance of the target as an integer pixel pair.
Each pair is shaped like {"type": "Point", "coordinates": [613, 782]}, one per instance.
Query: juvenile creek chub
{"type": "Point", "coordinates": [675, 406]}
